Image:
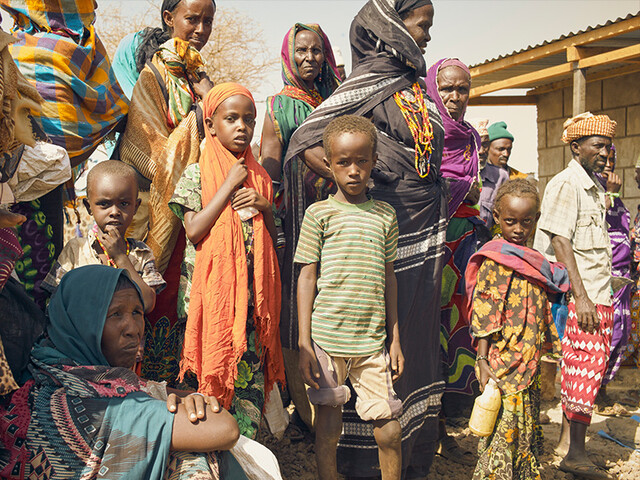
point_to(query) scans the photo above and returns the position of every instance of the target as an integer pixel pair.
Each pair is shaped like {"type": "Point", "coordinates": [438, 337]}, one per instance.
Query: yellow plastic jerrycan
{"type": "Point", "coordinates": [485, 410]}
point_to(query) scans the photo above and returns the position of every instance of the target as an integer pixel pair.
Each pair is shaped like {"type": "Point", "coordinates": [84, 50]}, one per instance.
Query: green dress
{"type": "Point", "coordinates": [248, 401]}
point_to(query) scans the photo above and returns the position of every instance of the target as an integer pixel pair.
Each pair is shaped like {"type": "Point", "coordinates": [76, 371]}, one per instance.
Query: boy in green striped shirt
{"type": "Point", "coordinates": [347, 247]}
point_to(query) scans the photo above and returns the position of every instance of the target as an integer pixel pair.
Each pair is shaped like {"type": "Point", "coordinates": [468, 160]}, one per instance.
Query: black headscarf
{"type": "Point", "coordinates": [386, 59]}
{"type": "Point", "coordinates": [404, 6]}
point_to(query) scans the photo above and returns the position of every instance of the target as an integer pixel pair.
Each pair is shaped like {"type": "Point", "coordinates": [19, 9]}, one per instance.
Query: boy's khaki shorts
{"type": "Point", "coordinates": [370, 377]}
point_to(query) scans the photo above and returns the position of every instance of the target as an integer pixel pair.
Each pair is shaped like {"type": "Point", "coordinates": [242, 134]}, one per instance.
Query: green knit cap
{"type": "Point", "coordinates": [499, 130]}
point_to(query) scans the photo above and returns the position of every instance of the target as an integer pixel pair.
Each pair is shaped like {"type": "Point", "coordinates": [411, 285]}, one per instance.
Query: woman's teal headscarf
{"type": "Point", "coordinates": [77, 313]}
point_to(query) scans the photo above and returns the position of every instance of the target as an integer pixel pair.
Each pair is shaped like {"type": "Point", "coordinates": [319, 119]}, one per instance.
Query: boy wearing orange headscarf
{"type": "Point", "coordinates": [232, 340]}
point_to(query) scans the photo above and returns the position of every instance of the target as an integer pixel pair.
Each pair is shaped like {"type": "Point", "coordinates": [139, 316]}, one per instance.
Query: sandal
{"type": "Point", "coordinates": [294, 433]}
{"type": "Point", "coordinates": [448, 448]}
{"type": "Point", "coordinates": [585, 469]}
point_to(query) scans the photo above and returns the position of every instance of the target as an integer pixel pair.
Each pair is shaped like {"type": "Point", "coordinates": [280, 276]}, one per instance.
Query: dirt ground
{"type": "Point", "coordinates": [297, 460]}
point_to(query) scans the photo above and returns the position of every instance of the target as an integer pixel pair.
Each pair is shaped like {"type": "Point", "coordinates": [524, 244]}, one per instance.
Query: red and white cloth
{"type": "Point", "coordinates": [585, 357]}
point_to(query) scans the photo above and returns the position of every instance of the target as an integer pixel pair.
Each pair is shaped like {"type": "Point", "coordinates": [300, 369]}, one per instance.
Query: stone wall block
{"type": "Point", "coordinates": [621, 91]}
{"type": "Point", "coordinates": [628, 149]}
{"type": "Point", "coordinates": [542, 135]}
{"type": "Point", "coordinates": [550, 105]}
{"type": "Point", "coordinates": [554, 132]}
{"type": "Point", "coordinates": [550, 161]}
{"type": "Point", "coordinates": [567, 97]}
{"type": "Point", "coordinates": [594, 96]}
{"type": "Point", "coordinates": [633, 120]}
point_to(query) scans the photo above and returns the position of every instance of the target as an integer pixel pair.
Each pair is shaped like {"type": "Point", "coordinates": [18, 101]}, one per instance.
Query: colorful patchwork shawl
{"type": "Point", "coordinates": [181, 61]}
{"type": "Point", "coordinates": [58, 51]}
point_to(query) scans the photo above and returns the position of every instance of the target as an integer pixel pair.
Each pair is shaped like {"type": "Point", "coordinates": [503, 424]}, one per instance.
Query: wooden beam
{"type": "Point", "coordinates": [619, 55]}
{"type": "Point", "coordinates": [591, 77]}
{"type": "Point", "coordinates": [522, 80]}
{"type": "Point", "coordinates": [578, 53]}
{"type": "Point", "coordinates": [503, 100]}
{"type": "Point", "coordinates": [559, 46]}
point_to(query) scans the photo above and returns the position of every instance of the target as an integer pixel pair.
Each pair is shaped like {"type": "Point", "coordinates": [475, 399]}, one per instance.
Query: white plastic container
{"type": "Point", "coordinates": [485, 410]}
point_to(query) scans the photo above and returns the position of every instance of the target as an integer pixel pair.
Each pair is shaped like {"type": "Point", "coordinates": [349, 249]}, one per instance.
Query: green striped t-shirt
{"type": "Point", "coordinates": [352, 244]}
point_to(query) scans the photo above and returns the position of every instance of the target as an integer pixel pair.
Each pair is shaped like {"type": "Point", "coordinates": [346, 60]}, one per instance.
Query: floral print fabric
{"type": "Point", "coordinates": [249, 396]}
{"type": "Point", "coordinates": [512, 450]}
{"type": "Point", "coordinates": [515, 314]}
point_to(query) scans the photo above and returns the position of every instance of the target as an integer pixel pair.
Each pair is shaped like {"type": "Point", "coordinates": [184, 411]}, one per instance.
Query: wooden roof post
{"type": "Point", "coordinates": [574, 55]}
{"type": "Point", "coordinates": [579, 90]}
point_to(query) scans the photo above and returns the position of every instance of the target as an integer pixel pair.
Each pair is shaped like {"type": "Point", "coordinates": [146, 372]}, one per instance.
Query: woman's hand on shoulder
{"type": "Point", "coordinates": [202, 85]}
{"type": "Point", "coordinates": [248, 197]}
{"type": "Point", "coordinates": [195, 405]}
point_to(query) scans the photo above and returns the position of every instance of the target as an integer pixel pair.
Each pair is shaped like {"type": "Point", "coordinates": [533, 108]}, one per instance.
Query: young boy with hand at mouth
{"type": "Point", "coordinates": [112, 201]}
{"type": "Point", "coordinates": [347, 247]}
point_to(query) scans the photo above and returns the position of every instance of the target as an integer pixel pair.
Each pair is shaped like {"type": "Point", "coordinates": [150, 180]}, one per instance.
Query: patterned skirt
{"type": "Point", "coordinates": [631, 353]}
{"type": "Point", "coordinates": [456, 344]}
{"type": "Point", "coordinates": [512, 450]}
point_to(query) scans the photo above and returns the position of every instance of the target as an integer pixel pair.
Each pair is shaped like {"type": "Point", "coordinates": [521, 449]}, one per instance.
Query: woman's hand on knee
{"type": "Point", "coordinates": [195, 405]}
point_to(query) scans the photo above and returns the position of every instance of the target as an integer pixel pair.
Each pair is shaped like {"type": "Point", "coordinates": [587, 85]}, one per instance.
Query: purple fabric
{"type": "Point", "coordinates": [461, 141]}
{"type": "Point", "coordinates": [619, 220]}
{"type": "Point", "coordinates": [492, 177]}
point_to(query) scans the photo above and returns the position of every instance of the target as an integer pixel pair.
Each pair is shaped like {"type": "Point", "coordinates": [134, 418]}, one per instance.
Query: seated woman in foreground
{"type": "Point", "coordinates": [85, 413]}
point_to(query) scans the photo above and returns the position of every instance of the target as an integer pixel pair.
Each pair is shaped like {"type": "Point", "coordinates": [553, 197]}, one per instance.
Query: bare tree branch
{"type": "Point", "coordinates": [235, 51]}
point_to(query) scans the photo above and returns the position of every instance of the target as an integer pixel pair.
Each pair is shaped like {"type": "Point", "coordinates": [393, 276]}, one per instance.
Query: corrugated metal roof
{"type": "Point", "coordinates": [532, 66]}
{"type": "Point", "coordinates": [569, 35]}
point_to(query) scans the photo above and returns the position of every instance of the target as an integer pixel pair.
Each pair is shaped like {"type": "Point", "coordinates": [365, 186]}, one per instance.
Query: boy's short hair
{"type": "Point", "coordinates": [518, 187]}
{"type": "Point", "coordinates": [349, 124]}
{"type": "Point", "coordinates": [112, 168]}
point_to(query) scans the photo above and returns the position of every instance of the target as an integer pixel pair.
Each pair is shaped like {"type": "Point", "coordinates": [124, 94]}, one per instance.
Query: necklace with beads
{"type": "Point", "coordinates": [104, 250]}
{"type": "Point", "coordinates": [414, 110]}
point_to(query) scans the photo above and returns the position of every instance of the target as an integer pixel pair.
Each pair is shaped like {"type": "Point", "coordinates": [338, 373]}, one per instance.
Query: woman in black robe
{"type": "Point", "coordinates": [388, 38]}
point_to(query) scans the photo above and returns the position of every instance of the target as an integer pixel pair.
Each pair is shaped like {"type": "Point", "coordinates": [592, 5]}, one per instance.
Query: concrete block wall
{"type": "Point", "coordinates": [617, 97]}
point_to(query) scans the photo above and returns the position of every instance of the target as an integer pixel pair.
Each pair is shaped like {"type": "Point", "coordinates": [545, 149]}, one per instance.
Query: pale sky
{"type": "Point", "coordinates": [472, 30]}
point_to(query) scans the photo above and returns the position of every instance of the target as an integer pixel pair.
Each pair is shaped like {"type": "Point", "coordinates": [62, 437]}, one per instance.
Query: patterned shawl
{"type": "Point", "coordinates": [551, 276]}
{"type": "Point", "coordinates": [216, 336]}
{"type": "Point", "coordinates": [78, 417]}
{"type": "Point", "coordinates": [181, 60]}
{"type": "Point", "coordinates": [59, 52]}
{"type": "Point", "coordinates": [461, 141]}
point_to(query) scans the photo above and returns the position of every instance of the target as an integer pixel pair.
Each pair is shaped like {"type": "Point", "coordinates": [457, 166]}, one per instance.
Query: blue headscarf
{"type": "Point", "coordinates": [77, 313]}
{"type": "Point", "coordinates": [115, 426]}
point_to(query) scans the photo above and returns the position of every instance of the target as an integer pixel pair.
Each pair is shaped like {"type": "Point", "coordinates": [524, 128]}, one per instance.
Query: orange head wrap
{"type": "Point", "coordinates": [216, 335]}
{"type": "Point", "coordinates": [586, 125]}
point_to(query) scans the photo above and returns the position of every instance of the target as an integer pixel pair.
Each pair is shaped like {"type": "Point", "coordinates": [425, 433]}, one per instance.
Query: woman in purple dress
{"type": "Point", "coordinates": [619, 220]}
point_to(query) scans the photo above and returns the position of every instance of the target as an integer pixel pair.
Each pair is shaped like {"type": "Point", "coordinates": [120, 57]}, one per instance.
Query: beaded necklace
{"type": "Point", "coordinates": [414, 110]}
{"type": "Point", "coordinates": [104, 250]}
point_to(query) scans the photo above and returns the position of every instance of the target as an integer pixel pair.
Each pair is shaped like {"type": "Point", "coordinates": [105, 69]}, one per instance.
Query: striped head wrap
{"type": "Point", "coordinates": [586, 125]}
{"type": "Point", "coordinates": [329, 78]}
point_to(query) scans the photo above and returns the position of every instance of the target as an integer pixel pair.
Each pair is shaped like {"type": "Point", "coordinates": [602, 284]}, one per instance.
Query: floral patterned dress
{"type": "Point", "coordinates": [516, 316]}
{"type": "Point", "coordinates": [249, 396]}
